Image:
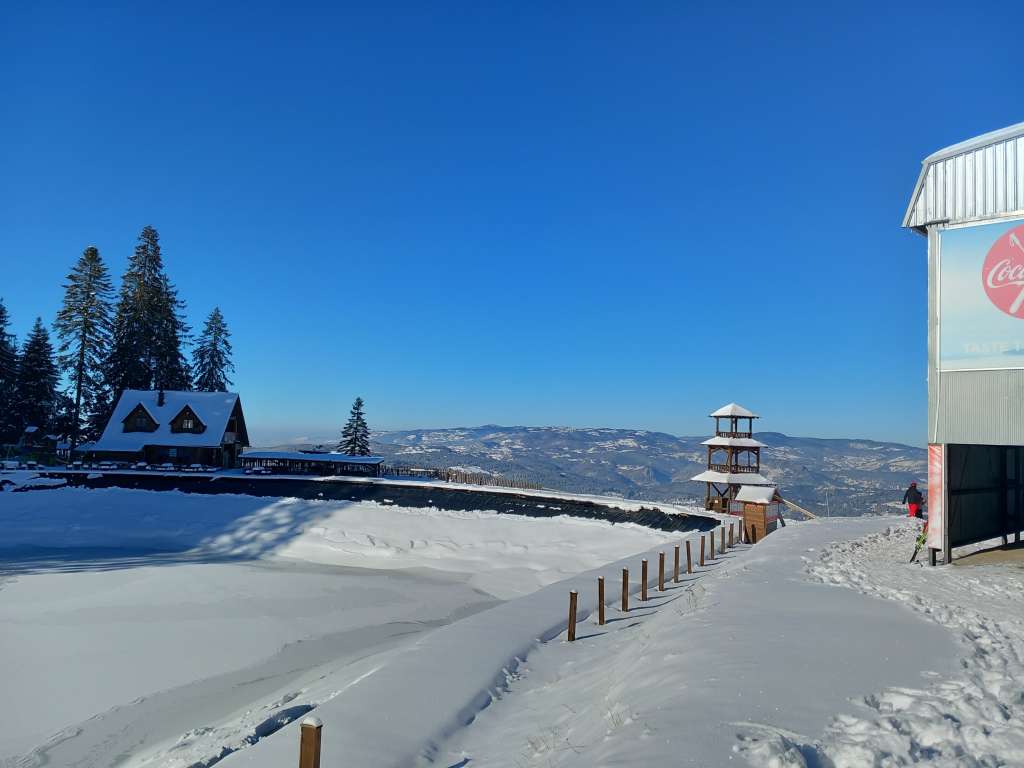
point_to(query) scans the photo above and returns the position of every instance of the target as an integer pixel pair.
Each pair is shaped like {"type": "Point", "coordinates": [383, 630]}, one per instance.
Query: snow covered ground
{"type": "Point", "coordinates": [733, 662]}
{"type": "Point", "coordinates": [974, 717]}
{"type": "Point", "coordinates": [217, 622]}
{"type": "Point", "coordinates": [171, 627]}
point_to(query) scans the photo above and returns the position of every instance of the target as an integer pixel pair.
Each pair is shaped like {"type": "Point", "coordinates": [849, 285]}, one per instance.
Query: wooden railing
{"type": "Point", "coordinates": [460, 476]}
{"type": "Point", "coordinates": [730, 468]}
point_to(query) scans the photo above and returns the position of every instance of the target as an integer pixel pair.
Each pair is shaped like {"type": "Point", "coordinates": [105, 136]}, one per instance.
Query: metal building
{"type": "Point", "coordinates": [969, 203]}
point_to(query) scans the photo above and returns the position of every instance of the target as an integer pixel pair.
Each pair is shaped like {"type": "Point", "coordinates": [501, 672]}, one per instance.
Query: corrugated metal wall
{"type": "Point", "coordinates": [979, 407]}
{"type": "Point", "coordinates": [980, 183]}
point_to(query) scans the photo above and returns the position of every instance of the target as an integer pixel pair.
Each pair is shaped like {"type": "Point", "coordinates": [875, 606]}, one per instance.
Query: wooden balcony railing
{"type": "Point", "coordinates": [730, 468]}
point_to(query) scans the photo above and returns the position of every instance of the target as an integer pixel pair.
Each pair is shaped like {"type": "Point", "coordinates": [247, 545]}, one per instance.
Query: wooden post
{"type": "Point", "coordinates": [600, 600]}
{"type": "Point", "coordinates": [731, 527]}
{"type": "Point", "coordinates": [702, 550]}
{"type": "Point", "coordinates": [721, 547]}
{"type": "Point", "coordinates": [689, 558]}
{"type": "Point", "coordinates": [661, 571]}
{"type": "Point", "coordinates": [675, 565]}
{"type": "Point", "coordinates": [753, 533]}
{"type": "Point", "coordinates": [643, 580]}
{"type": "Point", "coordinates": [711, 545]}
{"type": "Point", "coordinates": [572, 616]}
{"type": "Point", "coordinates": [309, 743]}
{"type": "Point", "coordinates": [625, 590]}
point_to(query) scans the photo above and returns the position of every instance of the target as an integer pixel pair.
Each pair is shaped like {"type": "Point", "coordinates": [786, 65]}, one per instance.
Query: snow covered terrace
{"type": "Point", "coordinates": [313, 463]}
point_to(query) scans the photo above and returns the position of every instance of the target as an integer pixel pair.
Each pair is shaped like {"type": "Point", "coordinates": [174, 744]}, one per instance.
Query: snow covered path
{"type": "Point", "coordinates": [749, 649]}
{"type": "Point", "coordinates": [974, 717]}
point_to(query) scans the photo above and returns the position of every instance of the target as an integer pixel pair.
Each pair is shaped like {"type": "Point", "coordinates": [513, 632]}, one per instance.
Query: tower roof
{"type": "Point", "coordinates": [731, 478]}
{"type": "Point", "coordinates": [718, 441]}
{"type": "Point", "coordinates": [732, 409]}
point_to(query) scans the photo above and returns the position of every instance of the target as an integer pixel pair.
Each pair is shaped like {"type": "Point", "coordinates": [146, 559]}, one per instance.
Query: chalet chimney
{"type": "Point", "coordinates": [160, 398]}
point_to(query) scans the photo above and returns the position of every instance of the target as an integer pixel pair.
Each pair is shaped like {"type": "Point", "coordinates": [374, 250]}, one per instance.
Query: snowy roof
{"type": "Point", "coordinates": [337, 458]}
{"type": "Point", "coordinates": [734, 442]}
{"type": "Point", "coordinates": [213, 409]}
{"type": "Point", "coordinates": [731, 478]}
{"type": "Point", "coordinates": [732, 409]}
{"type": "Point", "coordinates": [754, 494]}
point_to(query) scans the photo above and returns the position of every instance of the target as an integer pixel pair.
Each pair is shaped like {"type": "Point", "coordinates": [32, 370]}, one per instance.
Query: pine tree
{"type": "Point", "coordinates": [211, 360]}
{"type": "Point", "coordinates": [36, 388]}
{"type": "Point", "coordinates": [149, 328]}
{"type": "Point", "coordinates": [170, 368]}
{"type": "Point", "coordinates": [8, 380]}
{"type": "Point", "coordinates": [83, 326]}
{"type": "Point", "coordinates": [355, 437]}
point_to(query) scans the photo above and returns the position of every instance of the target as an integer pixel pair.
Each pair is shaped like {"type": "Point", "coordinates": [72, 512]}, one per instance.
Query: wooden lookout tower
{"type": "Point", "coordinates": [734, 457]}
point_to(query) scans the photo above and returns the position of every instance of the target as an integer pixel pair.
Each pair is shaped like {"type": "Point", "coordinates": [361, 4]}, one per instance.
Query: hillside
{"type": "Point", "coordinates": [858, 475]}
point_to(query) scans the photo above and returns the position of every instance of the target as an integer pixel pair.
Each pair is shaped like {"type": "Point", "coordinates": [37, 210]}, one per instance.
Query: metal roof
{"type": "Point", "coordinates": [981, 178]}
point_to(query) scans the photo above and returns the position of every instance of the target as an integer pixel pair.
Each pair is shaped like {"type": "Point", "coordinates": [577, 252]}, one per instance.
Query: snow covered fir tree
{"type": "Point", "coordinates": [36, 380]}
{"type": "Point", "coordinates": [8, 379]}
{"type": "Point", "coordinates": [211, 360]}
{"type": "Point", "coordinates": [83, 326]}
{"type": "Point", "coordinates": [149, 326]}
{"type": "Point", "coordinates": [355, 437]}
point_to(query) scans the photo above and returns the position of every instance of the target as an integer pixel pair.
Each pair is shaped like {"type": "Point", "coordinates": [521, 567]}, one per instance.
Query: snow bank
{"type": "Point", "coordinates": [179, 627]}
{"type": "Point", "coordinates": [26, 478]}
{"type": "Point", "coordinates": [506, 554]}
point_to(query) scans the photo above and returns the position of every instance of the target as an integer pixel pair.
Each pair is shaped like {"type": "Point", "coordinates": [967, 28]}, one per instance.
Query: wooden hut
{"type": "Point", "coordinates": [760, 507]}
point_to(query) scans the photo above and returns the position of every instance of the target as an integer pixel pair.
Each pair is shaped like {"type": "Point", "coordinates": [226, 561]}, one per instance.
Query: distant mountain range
{"type": "Point", "coordinates": [844, 477]}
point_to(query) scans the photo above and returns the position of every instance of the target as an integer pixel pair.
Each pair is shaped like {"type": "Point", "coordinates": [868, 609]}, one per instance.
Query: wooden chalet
{"type": "Point", "coordinates": [734, 457]}
{"type": "Point", "coordinates": [171, 427]}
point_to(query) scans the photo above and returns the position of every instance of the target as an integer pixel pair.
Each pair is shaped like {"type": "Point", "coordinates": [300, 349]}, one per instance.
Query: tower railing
{"type": "Point", "coordinates": [735, 469]}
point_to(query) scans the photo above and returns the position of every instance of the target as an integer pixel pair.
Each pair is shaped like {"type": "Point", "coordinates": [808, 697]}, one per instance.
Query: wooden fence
{"type": "Point", "coordinates": [450, 475]}
{"type": "Point", "coordinates": [729, 535]}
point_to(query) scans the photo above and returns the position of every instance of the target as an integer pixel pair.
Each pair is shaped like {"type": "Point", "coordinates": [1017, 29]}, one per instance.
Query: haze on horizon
{"type": "Point", "coordinates": [550, 216]}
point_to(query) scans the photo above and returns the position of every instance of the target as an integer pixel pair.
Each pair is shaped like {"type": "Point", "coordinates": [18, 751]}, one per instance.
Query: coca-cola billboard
{"type": "Point", "coordinates": [981, 297]}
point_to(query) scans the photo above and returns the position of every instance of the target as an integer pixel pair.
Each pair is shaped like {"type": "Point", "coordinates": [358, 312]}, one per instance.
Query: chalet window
{"type": "Point", "coordinates": [187, 421]}
{"type": "Point", "coordinates": [139, 420]}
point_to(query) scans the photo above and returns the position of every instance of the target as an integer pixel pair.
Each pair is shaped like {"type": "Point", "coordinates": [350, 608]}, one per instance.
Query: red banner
{"type": "Point", "coordinates": [936, 496]}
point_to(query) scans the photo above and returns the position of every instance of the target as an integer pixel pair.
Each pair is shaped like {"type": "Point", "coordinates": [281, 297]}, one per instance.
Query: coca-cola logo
{"type": "Point", "coordinates": [1003, 273]}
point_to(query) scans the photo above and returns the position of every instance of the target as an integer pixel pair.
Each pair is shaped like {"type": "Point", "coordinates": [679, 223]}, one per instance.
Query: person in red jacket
{"type": "Point", "coordinates": [914, 501]}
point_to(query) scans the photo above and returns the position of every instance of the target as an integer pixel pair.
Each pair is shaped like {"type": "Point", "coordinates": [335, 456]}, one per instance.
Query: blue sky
{"type": "Point", "coordinates": [594, 214]}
